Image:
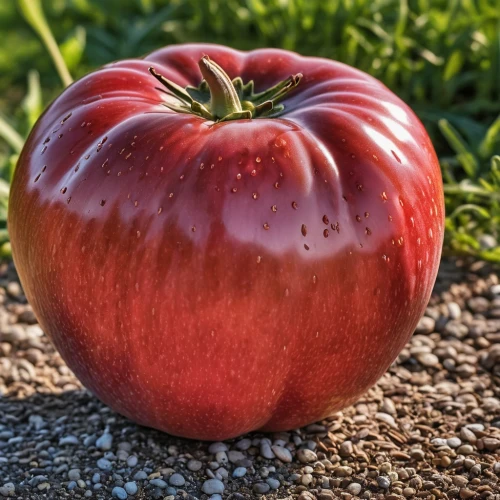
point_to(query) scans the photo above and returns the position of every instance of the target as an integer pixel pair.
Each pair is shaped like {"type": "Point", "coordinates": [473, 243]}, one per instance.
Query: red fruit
{"type": "Point", "coordinates": [209, 278]}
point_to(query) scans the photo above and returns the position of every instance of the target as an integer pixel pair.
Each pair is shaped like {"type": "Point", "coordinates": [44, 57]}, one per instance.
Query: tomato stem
{"type": "Point", "coordinates": [220, 99]}
{"type": "Point", "coordinates": [224, 101]}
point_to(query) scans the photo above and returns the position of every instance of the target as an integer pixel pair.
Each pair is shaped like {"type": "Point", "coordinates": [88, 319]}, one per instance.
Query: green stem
{"type": "Point", "coordinates": [459, 189]}
{"type": "Point", "coordinates": [33, 13]}
{"type": "Point", "coordinates": [10, 135]}
{"type": "Point", "coordinates": [224, 99]}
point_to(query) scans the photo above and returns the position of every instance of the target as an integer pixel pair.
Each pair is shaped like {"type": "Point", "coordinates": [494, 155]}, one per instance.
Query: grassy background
{"type": "Point", "coordinates": [441, 56]}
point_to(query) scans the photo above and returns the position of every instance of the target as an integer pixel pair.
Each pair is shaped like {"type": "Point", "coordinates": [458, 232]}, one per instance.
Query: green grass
{"type": "Point", "coordinates": [441, 56]}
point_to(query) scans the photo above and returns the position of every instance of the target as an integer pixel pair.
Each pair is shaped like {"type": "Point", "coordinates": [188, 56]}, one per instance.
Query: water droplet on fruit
{"type": "Point", "coordinates": [255, 196]}
{"type": "Point", "coordinates": [315, 279]}
{"type": "Point", "coordinates": [171, 195]}
{"type": "Point", "coordinates": [137, 287]}
{"type": "Point", "coordinates": [253, 173]}
{"type": "Point", "coordinates": [46, 140]}
{"type": "Point", "coordinates": [68, 200]}
{"type": "Point", "coordinates": [193, 229]}
{"type": "Point", "coordinates": [390, 218]}
{"type": "Point", "coordinates": [430, 233]}
{"type": "Point", "coordinates": [202, 166]}
{"type": "Point", "coordinates": [37, 177]}
{"type": "Point", "coordinates": [412, 220]}
{"type": "Point", "coordinates": [44, 168]}
{"type": "Point", "coordinates": [136, 203]}
{"type": "Point", "coordinates": [277, 185]}
{"type": "Point", "coordinates": [259, 259]}
{"type": "Point", "coordinates": [353, 156]}
{"type": "Point", "coordinates": [325, 220]}
{"type": "Point", "coordinates": [63, 190]}
{"type": "Point", "coordinates": [181, 177]}
{"type": "Point", "coordinates": [384, 196]}
{"type": "Point", "coordinates": [238, 176]}
{"type": "Point", "coordinates": [233, 190]}
{"type": "Point", "coordinates": [326, 233]}
{"type": "Point", "coordinates": [306, 246]}
{"type": "Point", "coordinates": [44, 149]}
{"type": "Point", "coordinates": [266, 226]}
{"type": "Point", "coordinates": [138, 233]}
{"type": "Point", "coordinates": [83, 124]}
{"type": "Point", "coordinates": [396, 156]}
{"type": "Point", "coordinates": [294, 205]}
{"type": "Point", "coordinates": [400, 241]}
{"type": "Point", "coordinates": [401, 202]}
{"type": "Point", "coordinates": [358, 218]}
{"type": "Point", "coordinates": [359, 187]}
{"type": "Point", "coordinates": [368, 231]}
{"type": "Point", "coordinates": [102, 203]}
{"type": "Point", "coordinates": [274, 208]}
{"type": "Point", "coordinates": [303, 230]}
{"type": "Point", "coordinates": [258, 159]}
{"type": "Point", "coordinates": [367, 214]}
{"type": "Point", "coordinates": [219, 158]}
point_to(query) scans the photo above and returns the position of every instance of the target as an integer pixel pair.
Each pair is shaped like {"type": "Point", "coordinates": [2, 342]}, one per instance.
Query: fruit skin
{"type": "Point", "coordinates": [148, 263]}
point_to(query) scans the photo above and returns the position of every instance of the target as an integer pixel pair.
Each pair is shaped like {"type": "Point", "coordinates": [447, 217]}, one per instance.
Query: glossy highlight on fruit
{"type": "Point", "coordinates": [211, 275]}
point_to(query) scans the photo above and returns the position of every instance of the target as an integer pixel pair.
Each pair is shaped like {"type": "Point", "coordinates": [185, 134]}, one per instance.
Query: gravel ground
{"type": "Point", "coordinates": [429, 429]}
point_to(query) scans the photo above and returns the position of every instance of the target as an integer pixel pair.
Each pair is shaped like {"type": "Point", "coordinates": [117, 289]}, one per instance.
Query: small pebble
{"type": "Point", "coordinates": [266, 451]}
{"type": "Point", "coordinates": [454, 310]}
{"type": "Point", "coordinates": [383, 482]}
{"type": "Point", "coordinates": [160, 483]}
{"type": "Point", "coordinates": [105, 442]}
{"type": "Point", "coordinates": [118, 492]}
{"type": "Point", "coordinates": [140, 476]}
{"type": "Point", "coordinates": [217, 447]}
{"type": "Point", "coordinates": [282, 454]}
{"type": "Point", "coordinates": [454, 442]}
{"type": "Point", "coordinates": [176, 480]}
{"type": "Point", "coordinates": [239, 472]}
{"type": "Point", "coordinates": [68, 440]}
{"type": "Point", "coordinates": [306, 456]}
{"type": "Point", "coordinates": [273, 483]}
{"type": "Point", "coordinates": [74, 474]}
{"type": "Point", "coordinates": [354, 488]}
{"type": "Point", "coordinates": [104, 464]}
{"type": "Point", "coordinates": [131, 488]}
{"type": "Point", "coordinates": [212, 486]}
{"type": "Point", "coordinates": [132, 461]}
{"type": "Point", "coordinates": [261, 488]}
{"type": "Point", "coordinates": [194, 465]}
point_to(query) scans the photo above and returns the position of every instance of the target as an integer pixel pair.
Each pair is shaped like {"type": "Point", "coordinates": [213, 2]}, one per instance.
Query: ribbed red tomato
{"type": "Point", "coordinates": [214, 260]}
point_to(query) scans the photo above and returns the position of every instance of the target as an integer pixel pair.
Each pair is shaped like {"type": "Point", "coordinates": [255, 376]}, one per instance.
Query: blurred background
{"type": "Point", "coordinates": [440, 56]}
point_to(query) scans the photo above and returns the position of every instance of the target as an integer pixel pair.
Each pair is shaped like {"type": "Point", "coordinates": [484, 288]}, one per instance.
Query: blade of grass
{"type": "Point", "coordinates": [33, 13]}
{"type": "Point", "coordinates": [10, 135]}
